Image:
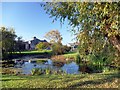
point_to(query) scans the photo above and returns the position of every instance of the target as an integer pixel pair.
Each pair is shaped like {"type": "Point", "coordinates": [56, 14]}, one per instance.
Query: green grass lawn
{"type": "Point", "coordinates": [99, 80]}
{"type": "Point", "coordinates": [49, 52]}
{"type": "Point", "coordinates": [70, 54]}
{"type": "Point", "coordinates": [34, 52]}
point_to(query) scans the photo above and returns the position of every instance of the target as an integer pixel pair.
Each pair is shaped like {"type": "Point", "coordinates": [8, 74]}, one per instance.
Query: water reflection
{"type": "Point", "coordinates": [70, 68]}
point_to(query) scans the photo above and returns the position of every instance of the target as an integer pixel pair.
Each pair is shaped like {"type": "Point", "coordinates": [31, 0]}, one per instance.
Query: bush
{"type": "Point", "coordinates": [47, 71]}
{"type": "Point", "coordinates": [78, 59]}
{"type": "Point", "coordinates": [36, 71]}
{"type": "Point", "coordinates": [57, 49]}
{"type": "Point", "coordinates": [66, 48]}
{"type": "Point", "coordinates": [11, 71]}
{"type": "Point", "coordinates": [42, 45]}
{"type": "Point", "coordinates": [96, 68]}
{"type": "Point", "coordinates": [106, 69]}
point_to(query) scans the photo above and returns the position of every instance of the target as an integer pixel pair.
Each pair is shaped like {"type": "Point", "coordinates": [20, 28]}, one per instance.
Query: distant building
{"type": "Point", "coordinates": [73, 46]}
{"type": "Point", "coordinates": [27, 45]}
{"type": "Point", "coordinates": [30, 45]}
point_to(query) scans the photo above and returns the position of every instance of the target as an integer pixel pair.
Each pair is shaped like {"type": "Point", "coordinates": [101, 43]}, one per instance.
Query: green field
{"type": "Point", "coordinates": [44, 51]}
{"type": "Point", "coordinates": [33, 52]}
{"type": "Point", "coordinates": [99, 80]}
{"type": "Point", "coordinates": [70, 55]}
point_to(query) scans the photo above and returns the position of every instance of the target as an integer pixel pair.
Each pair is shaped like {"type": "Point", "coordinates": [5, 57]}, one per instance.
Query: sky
{"type": "Point", "coordinates": [29, 19]}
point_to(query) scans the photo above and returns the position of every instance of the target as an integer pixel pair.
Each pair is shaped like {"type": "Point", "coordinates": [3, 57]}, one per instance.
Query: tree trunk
{"type": "Point", "coordinates": [115, 40]}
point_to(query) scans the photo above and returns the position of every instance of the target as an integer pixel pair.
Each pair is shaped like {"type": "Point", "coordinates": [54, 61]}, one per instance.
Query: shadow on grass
{"type": "Point", "coordinates": [65, 78]}
{"type": "Point", "coordinates": [72, 79]}
{"type": "Point", "coordinates": [108, 78]}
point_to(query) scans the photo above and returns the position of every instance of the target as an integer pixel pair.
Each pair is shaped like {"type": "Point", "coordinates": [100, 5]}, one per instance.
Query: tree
{"type": "Point", "coordinates": [66, 48]}
{"type": "Point", "coordinates": [95, 24]}
{"type": "Point", "coordinates": [57, 49]}
{"type": "Point", "coordinates": [7, 42]}
{"type": "Point", "coordinates": [42, 45]}
{"type": "Point", "coordinates": [20, 45]}
{"type": "Point", "coordinates": [88, 16]}
{"type": "Point", "coordinates": [54, 36]}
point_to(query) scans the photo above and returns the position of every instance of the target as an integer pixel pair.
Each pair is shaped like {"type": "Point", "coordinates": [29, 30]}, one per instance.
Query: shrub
{"type": "Point", "coordinates": [58, 72]}
{"type": "Point", "coordinates": [47, 71]}
{"type": "Point", "coordinates": [106, 69]}
{"type": "Point", "coordinates": [55, 72]}
{"type": "Point", "coordinates": [10, 71]}
{"type": "Point", "coordinates": [36, 71]}
{"type": "Point", "coordinates": [57, 49]}
{"type": "Point", "coordinates": [96, 68]}
{"type": "Point", "coordinates": [42, 45]}
{"type": "Point", "coordinates": [78, 59]}
{"type": "Point", "coordinates": [66, 48]}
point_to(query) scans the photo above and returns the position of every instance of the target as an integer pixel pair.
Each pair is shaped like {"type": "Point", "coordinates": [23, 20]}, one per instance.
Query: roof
{"type": "Point", "coordinates": [35, 40]}
{"type": "Point", "coordinates": [76, 43]}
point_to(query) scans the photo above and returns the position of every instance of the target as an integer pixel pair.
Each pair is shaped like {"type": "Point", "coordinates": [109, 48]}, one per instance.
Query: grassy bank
{"type": "Point", "coordinates": [42, 53]}
{"type": "Point", "coordinates": [99, 80]}
{"type": "Point", "coordinates": [70, 55]}
{"type": "Point", "coordinates": [34, 52]}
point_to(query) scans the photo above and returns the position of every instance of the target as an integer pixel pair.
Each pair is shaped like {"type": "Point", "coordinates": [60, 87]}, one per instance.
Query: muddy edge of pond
{"type": "Point", "coordinates": [62, 58]}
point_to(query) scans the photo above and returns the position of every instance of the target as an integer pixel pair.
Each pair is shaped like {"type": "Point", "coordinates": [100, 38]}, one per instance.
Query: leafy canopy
{"type": "Point", "coordinates": [54, 36]}
{"type": "Point", "coordinates": [95, 24]}
{"type": "Point", "coordinates": [87, 18]}
{"type": "Point", "coordinates": [42, 45]}
{"type": "Point", "coordinates": [7, 41]}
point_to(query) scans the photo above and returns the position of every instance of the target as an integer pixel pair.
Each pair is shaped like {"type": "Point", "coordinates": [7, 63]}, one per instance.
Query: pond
{"type": "Point", "coordinates": [28, 64]}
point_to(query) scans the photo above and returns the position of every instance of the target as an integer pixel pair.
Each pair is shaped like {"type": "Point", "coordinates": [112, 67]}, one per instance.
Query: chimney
{"type": "Point", "coordinates": [34, 38]}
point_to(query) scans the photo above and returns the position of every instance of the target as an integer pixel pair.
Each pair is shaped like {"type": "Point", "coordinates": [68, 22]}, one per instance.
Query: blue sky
{"type": "Point", "coordinates": [29, 19]}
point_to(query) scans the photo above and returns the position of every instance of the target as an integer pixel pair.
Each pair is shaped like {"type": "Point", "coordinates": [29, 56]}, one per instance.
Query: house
{"type": "Point", "coordinates": [73, 46]}
{"type": "Point", "coordinates": [27, 45]}
{"type": "Point", "coordinates": [30, 45]}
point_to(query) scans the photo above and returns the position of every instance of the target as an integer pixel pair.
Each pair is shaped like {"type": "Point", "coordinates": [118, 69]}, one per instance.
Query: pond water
{"type": "Point", "coordinates": [27, 66]}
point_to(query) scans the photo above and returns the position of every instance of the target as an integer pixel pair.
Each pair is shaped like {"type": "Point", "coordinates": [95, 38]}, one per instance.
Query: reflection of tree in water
{"type": "Point", "coordinates": [58, 64]}
{"type": "Point", "coordinates": [7, 63]}
{"type": "Point", "coordinates": [85, 69]}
